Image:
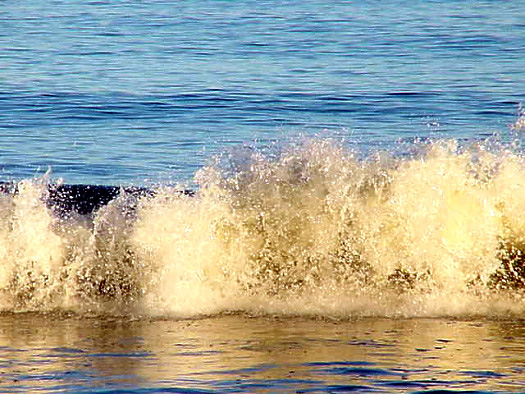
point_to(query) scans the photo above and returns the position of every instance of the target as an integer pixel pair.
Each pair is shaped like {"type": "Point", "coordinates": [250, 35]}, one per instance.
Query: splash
{"type": "Point", "coordinates": [307, 229]}
{"type": "Point", "coordinates": [519, 125]}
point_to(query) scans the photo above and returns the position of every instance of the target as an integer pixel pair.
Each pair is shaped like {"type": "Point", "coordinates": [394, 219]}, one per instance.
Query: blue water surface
{"type": "Point", "coordinates": [139, 92]}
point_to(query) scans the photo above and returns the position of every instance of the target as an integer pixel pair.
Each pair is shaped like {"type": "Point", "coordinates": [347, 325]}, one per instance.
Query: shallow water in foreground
{"type": "Point", "coordinates": [241, 353]}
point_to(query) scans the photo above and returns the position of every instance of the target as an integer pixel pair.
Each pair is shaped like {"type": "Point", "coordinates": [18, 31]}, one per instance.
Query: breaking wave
{"type": "Point", "coordinates": [306, 229]}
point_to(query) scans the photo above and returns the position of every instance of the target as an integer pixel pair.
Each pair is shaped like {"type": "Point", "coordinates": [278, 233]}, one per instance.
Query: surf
{"type": "Point", "coordinates": [309, 228]}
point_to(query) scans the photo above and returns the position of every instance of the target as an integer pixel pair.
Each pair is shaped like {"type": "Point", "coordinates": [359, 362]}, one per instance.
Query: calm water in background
{"type": "Point", "coordinates": [148, 92]}
{"type": "Point", "coordinates": [134, 92]}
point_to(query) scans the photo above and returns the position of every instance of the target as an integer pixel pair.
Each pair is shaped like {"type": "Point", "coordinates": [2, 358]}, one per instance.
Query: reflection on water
{"type": "Point", "coordinates": [237, 353]}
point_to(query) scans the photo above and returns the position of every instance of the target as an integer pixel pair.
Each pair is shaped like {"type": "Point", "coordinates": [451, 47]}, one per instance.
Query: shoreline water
{"type": "Point", "coordinates": [235, 353]}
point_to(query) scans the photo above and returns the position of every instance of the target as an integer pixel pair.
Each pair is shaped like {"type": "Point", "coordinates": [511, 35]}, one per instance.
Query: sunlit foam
{"type": "Point", "coordinates": [307, 229]}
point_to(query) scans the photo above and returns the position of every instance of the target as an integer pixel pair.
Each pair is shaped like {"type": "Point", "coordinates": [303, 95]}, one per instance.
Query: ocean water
{"type": "Point", "coordinates": [357, 215]}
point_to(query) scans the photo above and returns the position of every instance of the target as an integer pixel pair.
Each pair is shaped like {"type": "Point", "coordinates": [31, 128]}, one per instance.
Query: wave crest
{"type": "Point", "coordinates": [306, 229]}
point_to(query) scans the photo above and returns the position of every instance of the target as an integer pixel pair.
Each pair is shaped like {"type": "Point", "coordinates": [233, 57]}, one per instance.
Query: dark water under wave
{"type": "Point", "coordinates": [366, 236]}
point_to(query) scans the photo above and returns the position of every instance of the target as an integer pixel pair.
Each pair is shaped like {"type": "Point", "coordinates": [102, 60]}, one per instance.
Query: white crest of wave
{"type": "Point", "coordinates": [308, 229]}
{"type": "Point", "coordinates": [315, 231]}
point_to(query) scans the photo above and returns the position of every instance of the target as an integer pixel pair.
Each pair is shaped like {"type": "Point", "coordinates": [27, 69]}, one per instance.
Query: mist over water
{"type": "Point", "coordinates": [302, 228]}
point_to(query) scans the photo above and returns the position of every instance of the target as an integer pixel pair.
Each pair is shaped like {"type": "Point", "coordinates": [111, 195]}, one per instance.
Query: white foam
{"type": "Point", "coordinates": [307, 230]}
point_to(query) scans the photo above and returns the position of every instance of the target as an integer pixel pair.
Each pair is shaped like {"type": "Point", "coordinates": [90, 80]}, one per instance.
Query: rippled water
{"type": "Point", "coordinates": [229, 354]}
{"type": "Point", "coordinates": [137, 92]}
{"type": "Point", "coordinates": [357, 222]}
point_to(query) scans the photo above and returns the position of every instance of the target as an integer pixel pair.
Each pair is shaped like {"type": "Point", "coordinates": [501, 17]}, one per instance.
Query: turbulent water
{"type": "Point", "coordinates": [305, 229]}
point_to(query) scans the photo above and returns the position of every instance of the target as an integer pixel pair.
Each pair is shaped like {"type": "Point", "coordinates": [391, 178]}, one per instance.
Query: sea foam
{"type": "Point", "coordinates": [305, 229]}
